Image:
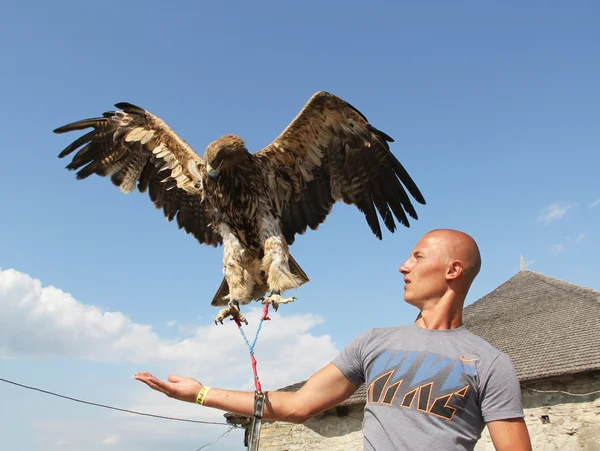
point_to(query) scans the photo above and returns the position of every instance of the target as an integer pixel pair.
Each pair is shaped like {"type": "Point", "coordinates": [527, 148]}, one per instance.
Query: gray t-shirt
{"type": "Point", "coordinates": [429, 389]}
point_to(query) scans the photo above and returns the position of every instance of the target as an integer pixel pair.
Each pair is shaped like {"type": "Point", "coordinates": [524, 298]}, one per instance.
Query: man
{"type": "Point", "coordinates": [432, 385]}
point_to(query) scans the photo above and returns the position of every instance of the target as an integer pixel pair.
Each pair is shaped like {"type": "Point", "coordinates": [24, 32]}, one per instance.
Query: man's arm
{"type": "Point", "coordinates": [323, 390]}
{"type": "Point", "coordinates": [510, 435]}
{"type": "Point", "coordinates": [502, 406]}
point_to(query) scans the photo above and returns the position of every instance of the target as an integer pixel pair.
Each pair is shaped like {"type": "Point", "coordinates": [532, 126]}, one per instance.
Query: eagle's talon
{"type": "Point", "coordinates": [233, 310]}
{"type": "Point", "coordinates": [240, 319]}
{"type": "Point", "coordinates": [275, 299]}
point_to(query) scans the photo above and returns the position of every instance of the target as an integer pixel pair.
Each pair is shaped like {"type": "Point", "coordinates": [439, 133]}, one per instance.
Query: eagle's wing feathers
{"type": "Point", "coordinates": [133, 146]}
{"type": "Point", "coordinates": [330, 153]}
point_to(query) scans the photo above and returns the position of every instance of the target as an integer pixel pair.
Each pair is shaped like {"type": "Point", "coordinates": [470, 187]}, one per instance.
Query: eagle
{"type": "Point", "coordinates": [254, 204]}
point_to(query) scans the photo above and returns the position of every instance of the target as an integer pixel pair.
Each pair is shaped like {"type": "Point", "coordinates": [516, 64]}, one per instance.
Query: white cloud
{"type": "Point", "coordinates": [171, 323]}
{"type": "Point", "coordinates": [111, 440]}
{"type": "Point", "coordinates": [41, 321]}
{"type": "Point", "coordinates": [44, 321]}
{"type": "Point", "coordinates": [595, 203]}
{"type": "Point", "coordinates": [557, 248]}
{"type": "Point", "coordinates": [580, 238]}
{"type": "Point", "coordinates": [553, 212]}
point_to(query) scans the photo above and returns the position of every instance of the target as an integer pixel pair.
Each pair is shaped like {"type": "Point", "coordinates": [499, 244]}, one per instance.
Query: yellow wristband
{"type": "Point", "coordinates": [202, 395]}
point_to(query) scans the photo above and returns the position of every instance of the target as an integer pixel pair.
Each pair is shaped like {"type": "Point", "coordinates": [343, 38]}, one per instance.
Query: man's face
{"type": "Point", "coordinates": [425, 271]}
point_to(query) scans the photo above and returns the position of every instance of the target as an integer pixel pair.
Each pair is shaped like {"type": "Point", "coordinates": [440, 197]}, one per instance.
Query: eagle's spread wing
{"type": "Point", "coordinates": [330, 153]}
{"type": "Point", "coordinates": [133, 146]}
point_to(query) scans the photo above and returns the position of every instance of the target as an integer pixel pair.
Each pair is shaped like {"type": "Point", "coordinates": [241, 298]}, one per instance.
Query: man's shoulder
{"type": "Point", "coordinates": [483, 346]}
{"type": "Point", "coordinates": [377, 335]}
{"type": "Point", "coordinates": [479, 341]}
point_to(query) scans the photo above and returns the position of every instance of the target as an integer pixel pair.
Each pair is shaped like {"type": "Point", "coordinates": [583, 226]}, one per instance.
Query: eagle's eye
{"type": "Point", "coordinates": [216, 163]}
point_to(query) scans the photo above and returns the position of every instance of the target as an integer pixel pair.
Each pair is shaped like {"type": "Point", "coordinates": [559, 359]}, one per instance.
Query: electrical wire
{"type": "Point", "coordinates": [218, 438]}
{"type": "Point", "coordinates": [110, 407]}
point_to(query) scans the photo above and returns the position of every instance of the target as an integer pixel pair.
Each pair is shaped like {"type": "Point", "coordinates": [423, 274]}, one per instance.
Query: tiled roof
{"type": "Point", "coordinates": [547, 327]}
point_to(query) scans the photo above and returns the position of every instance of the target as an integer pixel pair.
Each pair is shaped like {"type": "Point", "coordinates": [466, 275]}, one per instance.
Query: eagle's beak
{"type": "Point", "coordinates": [212, 173]}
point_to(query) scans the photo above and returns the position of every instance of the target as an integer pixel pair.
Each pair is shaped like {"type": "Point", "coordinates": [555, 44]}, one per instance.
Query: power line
{"type": "Point", "coordinates": [110, 407]}
{"type": "Point", "coordinates": [218, 438]}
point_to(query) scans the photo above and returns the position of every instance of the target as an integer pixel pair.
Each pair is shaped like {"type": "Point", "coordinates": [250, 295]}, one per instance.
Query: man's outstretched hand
{"type": "Point", "coordinates": [182, 388]}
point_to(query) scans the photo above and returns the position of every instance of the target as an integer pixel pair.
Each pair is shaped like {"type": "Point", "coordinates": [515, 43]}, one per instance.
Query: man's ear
{"type": "Point", "coordinates": [455, 269]}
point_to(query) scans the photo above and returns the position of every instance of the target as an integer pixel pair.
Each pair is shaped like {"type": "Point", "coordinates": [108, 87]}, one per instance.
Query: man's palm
{"type": "Point", "coordinates": [182, 388]}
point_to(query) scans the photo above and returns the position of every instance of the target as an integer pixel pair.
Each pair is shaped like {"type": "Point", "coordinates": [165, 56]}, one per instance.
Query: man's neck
{"type": "Point", "coordinates": [443, 314]}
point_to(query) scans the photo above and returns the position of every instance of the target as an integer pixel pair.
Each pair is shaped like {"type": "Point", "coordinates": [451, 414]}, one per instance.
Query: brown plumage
{"type": "Point", "coordinates": [254, 204]}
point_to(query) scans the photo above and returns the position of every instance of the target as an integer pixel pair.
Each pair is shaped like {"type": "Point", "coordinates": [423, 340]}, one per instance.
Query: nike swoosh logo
{"type": "Point", "coordinates": [462, 359]}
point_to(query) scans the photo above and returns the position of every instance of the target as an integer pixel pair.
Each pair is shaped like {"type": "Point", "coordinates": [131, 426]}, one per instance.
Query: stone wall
{"type": "Point", "coordinates": [333, 430]}
{"type": "Point", "coordinates": [558, 421]}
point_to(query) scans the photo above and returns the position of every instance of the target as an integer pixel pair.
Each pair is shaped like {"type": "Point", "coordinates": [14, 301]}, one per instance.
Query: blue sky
{"type": "Point", "coordinates": [494, 110]}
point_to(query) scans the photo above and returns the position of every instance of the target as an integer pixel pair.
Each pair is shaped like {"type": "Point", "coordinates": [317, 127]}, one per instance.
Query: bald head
{"type": "Point", "coordinates": [458, 246]}
{"type": "Point", "coordinates": [440, 270]}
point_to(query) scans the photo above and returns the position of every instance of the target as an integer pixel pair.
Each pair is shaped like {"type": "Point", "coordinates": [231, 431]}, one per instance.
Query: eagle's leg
{"type": "Point", "coordinates": [279, 276]}
{"type": "Point", "coordinates": [275, 299]}
{"type": "Point", "coordinates": [233, 310]}
{"type": "Point", "coordinates": [240, 281]}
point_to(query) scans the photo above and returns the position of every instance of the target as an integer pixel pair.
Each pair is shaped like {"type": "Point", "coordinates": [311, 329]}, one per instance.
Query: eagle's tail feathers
{"type": "Point", "coordinates": [297, 271]}
{"type": "Point", "coordinates": [222, 295]}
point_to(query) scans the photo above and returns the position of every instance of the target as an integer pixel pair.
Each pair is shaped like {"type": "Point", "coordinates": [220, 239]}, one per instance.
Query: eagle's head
{"type": "Point", "coordinates": [225, 154]}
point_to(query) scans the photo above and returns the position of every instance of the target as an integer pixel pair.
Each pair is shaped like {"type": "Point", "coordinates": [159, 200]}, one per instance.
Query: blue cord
{"type": "Point", "coordinates": [251, 348]}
